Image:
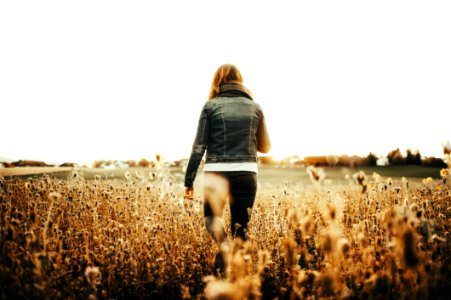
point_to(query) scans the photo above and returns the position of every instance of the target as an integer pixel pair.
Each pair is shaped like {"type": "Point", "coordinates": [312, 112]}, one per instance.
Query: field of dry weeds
{"type": "Point", "coordinates": [136, 237]}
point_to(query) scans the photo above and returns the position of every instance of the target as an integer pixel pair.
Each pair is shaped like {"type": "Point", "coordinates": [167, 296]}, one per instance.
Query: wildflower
{"type": "Point", "coordinates": [435, 237]}
{"type": "Point", "coordinates": [97, 177]}
{"type": "Point", "coordinates": [27, 185]}
{"type": "Point", "coordinates": [419, 214]}
{"type": "Point", "coordinates": [263, 259]}
{"type": "Point", "coordinates": [139, 175]}
{"type": "Point", "coordinates": [443, 172]}
{"type": "Point", "coordinates": [307, 224]}
{"type": "Point", "coordinates": [327, 243]}
{"type": "Point", "coordinates": [185, 292]}
{"type": "Point", "coordinates": [222, 290]}
{"type": "Point", "coordinates": [127, 175]}
{"type": "Point", "coordinates": [360, 236]}
{"type": "Point", "coordinates": [11, 233]}
{"type": "Point", "coordinates": [376, 177]}
{"type": "Point", "coordinates": [428, 180]}
{"type": "Point", "coordinates": [92, 272]}
{"type": "Point", "coordinates": [332, 212]}
{"type": "Point", "coordinates": [54, 196]}
{"type": "Point", "coordinates": [405, 183]}
{"type": "Point", "coordinates": [316, 175]}
{"type": "Point", "coordinates": [447, 148]}
{"type": "Point", "coordinates": [290, 251]}
{"type": "Point", "coordinates": [327, 285]}
{"type": "Point", "coordinates": [360, 178]}
{"type": "Point", "coordinates": [343, 245]}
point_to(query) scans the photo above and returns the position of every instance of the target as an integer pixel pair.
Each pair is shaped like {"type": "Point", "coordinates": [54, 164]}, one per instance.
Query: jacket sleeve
{"type": "Point", "coordinates": [199, 147]}
{"type": "Point", "coordinates": [263, 141]}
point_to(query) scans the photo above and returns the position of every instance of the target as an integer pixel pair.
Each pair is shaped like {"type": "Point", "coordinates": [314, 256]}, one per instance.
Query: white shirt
{"type": "Point", "coordinates": [228, 167]}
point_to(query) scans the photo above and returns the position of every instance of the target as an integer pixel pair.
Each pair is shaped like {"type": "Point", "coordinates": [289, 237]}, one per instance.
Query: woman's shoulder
{"type": "Point", "coordinates": [208, 104]}
{"type": "Point", "coordinates": [257, 105]}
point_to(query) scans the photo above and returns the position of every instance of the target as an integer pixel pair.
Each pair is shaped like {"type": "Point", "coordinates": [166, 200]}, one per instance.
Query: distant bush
{"type": "Point", "coordinates": [131, 163]}
{"type": "Point", "coordinates": [395, 157]}
{"type": "Point", "coordinates": [67, 164]}
{"type": "Point", "coordinates": [371, 159]}
{"type": "Point", "coordinates": [266, 160]}
{"type": "Point", "coordinates": [100, 163]}
{"type": "Point", "coordinates": [434, 162]}
{"type": "Point", "coordinates": [413, 158]}
{"type": "Point", "coordinates": [144, 163]}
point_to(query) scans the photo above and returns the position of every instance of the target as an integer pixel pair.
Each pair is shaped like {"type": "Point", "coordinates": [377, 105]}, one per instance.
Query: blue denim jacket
{"type": "Point", "coordinates": [231, 129]}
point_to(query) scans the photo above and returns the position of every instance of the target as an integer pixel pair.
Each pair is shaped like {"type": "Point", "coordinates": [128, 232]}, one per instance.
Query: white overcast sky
{"type": "Point", "coordinates": [87, 80]}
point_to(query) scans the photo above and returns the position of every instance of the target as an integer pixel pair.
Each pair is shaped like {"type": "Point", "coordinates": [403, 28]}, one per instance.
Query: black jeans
{"type": "Point", "coordinates": [242, 191]}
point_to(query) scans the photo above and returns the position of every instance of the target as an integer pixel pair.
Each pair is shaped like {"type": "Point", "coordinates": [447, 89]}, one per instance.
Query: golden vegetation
{"type": "Point", "coordinates": [136, 238]}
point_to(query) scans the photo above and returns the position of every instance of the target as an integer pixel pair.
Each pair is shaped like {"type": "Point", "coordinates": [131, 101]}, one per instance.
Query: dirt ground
{"type": "Point", "coordinates": [19, 171]}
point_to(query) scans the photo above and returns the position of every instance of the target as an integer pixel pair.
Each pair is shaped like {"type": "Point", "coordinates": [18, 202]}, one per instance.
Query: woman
{"type": "Point", "coordinates": [231, 130]}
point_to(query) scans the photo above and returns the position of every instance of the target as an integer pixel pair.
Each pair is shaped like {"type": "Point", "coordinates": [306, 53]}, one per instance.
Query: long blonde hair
{"type": "Point", "coordinates": [225, 74]}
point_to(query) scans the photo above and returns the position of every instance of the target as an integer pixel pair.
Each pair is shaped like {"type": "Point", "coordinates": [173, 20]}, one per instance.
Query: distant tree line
{"type": "Point", "coordinates": [32, 163]}
{"type": "Point", "coordinates": [396, 158]}
{"type": "Point", "coordinates": [393, 158]}
{"type": "Point", "coordinates": [144, 163]}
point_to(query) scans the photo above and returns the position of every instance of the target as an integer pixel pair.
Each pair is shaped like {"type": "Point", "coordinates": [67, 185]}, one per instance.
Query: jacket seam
{"type": "Point", "coordinates": [225, 131]}
{"type": "Point", "coordinates": [250, 134]}
{"type": "Point", "coordinates": [203, 128]}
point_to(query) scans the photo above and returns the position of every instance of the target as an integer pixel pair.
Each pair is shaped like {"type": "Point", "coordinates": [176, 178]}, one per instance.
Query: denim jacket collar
{"type": "Point", "coordinates": [234, 90]}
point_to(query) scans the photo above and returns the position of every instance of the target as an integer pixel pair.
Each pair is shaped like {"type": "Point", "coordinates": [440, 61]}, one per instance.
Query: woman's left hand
{"type": "Point", "coordinates": [189, 193]}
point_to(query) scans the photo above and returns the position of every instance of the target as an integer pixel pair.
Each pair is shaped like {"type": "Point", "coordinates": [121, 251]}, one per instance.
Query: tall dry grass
{"type": "Point", "coordinates": [135, 238]}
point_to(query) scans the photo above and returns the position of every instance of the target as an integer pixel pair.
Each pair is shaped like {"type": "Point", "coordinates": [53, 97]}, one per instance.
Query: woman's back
{"type": "Point", "coordinates": [233, 122]}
